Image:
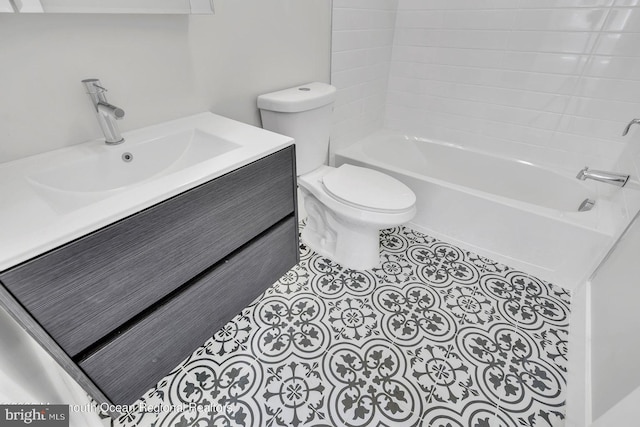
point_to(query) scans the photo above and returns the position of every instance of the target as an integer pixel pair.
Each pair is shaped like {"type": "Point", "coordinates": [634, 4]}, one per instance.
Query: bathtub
{"type": "Point", "coordinates": [514, 212]}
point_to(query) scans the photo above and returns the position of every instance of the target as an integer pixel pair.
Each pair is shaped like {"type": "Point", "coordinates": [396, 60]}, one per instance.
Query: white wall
{"type": "Point", "coordinates": [554, 82]}
{"type": "Point", "coordinates": [362, 39]}
{"type": "Point", "coordinates": [156, 67]}
{"type": "Point", "coordinates": [615, 318]}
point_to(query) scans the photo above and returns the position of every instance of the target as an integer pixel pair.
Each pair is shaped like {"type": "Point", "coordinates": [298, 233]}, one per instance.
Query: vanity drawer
{"type": "Point", "coordinates": [86, 289]}
{"type": "Point", "coordinates": [138, 358]}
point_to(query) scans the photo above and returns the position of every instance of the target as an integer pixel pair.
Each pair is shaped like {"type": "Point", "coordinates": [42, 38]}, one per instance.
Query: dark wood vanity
{"type": "Point", "coordinates": [122, 306]}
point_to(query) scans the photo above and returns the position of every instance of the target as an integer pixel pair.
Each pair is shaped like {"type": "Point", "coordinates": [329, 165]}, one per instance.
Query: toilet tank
{"type": "Point", "coordinates": [304, 114]}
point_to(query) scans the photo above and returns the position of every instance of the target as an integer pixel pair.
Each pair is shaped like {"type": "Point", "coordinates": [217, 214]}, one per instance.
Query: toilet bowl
{"type": "Point", "coordinates": [346, 206]}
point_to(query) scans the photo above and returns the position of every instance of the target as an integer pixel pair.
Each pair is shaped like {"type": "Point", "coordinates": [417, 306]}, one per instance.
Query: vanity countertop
{"type": "Point", "coordinates": [58, 196]}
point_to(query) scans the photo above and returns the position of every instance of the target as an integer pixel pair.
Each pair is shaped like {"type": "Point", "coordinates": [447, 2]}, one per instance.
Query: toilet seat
{"type": "Point", "coordinates": [368, 189]}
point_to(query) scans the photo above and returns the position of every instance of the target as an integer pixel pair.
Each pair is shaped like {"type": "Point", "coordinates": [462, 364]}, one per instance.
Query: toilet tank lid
{"type": "Point", "coordinates": [299, 98]}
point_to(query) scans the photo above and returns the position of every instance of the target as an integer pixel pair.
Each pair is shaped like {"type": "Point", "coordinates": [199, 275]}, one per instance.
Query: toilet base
{"type": "Point", "coordinates": [351, 245]}
{"type": "Point", "coordinates": [343, 232]}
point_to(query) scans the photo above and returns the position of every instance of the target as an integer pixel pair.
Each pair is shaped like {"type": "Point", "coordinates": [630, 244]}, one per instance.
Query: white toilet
{"type": "Point", "coordinates": [347, 206]}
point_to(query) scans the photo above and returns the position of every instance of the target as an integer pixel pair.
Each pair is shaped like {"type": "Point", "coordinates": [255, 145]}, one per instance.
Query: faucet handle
{"type": "Point", "coordinates": [631, 123]}
{"type": "Point", "coordinates": [93, 86]}
{"type": "Point", "coordinates": [100, 88]}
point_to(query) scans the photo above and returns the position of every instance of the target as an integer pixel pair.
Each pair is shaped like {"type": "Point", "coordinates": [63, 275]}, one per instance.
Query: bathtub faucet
{"type": "Point", "coordinates": [107, 113]}
{"type": "Point", "coordinates": [631, 123]}
{"type": "Point", "coordinates": [609, 177]}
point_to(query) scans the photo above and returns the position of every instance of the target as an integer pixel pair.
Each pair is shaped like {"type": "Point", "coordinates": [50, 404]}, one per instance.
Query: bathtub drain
{"type": "Point", "coordinates": [586, 205]}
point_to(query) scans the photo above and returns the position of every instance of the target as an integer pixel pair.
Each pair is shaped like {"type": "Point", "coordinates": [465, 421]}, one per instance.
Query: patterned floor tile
{"type": "Point", "coordinates": [476, 414]}
{"type": "Point", "coordinates": [353, 318]}
{"type": "Point", "coordinates": [413, 312]}
{"type": "Point", "coordinates": [293, 282]}
{"type": "Point", "coordinates": [158, 403]}
{"type": "Point", "coordinates": [395, 269]}
{"type": "Point", "coordinates": [526, 301]}
{"type": "Point", "coordinates": [293, 393]}
{"type": "Point", "coordinates": [368, 385]}
{"type": "Point", "coordinates": [538, 415]}
{"type": "Point", "coordinates": [485, 265]}
{"type": "Point", "coordinates": [231, 338]}
{"type": "Point", "coordinates": [434, 336]}
{"type": "Point", "coordinates": [441, 264]}
{"type": "Point", "coordinates": [443, 375]}
{"type": "Point", "coordinates": [553, 344]}
{"type": "Point", "coordinates": [470, 305]}
{"type": "Point", "coordinates": [489, 351]}
{"type": "Point", "coordinates": [286, 326]}
{"type": "Point", "coordinates": [330, 280]}
{"type": "Point", "coordinates": [217, 393]}
{"type": "Point", "coordinates": [510, 369]}
{"type": "Point", "coordinates": [393, 240]}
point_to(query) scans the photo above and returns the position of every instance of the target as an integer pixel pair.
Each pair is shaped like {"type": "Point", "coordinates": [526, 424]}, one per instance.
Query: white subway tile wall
{"type": "Point", "coordinates": [549, 81]}
{"type": "Point", "coordinates": [362, 41]}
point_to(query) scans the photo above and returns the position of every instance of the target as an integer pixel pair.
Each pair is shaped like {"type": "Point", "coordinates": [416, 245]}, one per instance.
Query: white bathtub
{"type": "Point", "coordinates": [514, 212]}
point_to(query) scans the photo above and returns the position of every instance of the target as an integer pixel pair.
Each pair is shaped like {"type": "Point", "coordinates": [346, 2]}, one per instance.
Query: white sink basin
{"type": "Point", "coordinates": [55, 197]}
{"type": "Point", "coordinates": [120, 166]}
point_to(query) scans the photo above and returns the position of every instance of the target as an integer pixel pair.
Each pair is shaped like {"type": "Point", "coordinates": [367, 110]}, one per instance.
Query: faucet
{"type": "Point", "coordinates": [107, 113]}
{"type": "Point", "coordinates": [609, 177]}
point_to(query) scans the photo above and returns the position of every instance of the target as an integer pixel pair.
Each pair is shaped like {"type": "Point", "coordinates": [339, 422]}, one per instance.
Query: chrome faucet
{"type": "Point", "coordinates": [107, 113]}
{"type": "Point", "coordinates": [609, 177]}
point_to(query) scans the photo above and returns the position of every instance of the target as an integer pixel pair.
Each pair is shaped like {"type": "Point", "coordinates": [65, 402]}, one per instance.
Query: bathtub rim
{"type": "Point", "coordinates": [599, 219]}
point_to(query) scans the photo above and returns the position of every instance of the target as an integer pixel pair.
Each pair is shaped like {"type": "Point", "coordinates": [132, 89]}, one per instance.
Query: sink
{"type": "Point", "coordinates": [52, 198]}
{"type": "Point", "coordinates": [121, 166]}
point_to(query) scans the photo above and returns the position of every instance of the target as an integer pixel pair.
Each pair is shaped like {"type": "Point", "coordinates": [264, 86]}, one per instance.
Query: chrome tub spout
{"type": "Point", "coordinates": [607, 177]}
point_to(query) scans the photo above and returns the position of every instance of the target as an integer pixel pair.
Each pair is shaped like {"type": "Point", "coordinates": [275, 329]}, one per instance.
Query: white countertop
{"type": "Point", "coordinates": [32, 223]}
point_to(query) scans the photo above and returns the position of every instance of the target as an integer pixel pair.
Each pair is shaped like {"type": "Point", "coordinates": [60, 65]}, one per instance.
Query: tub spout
{"type": "Point", "coordinates": [608, 177]}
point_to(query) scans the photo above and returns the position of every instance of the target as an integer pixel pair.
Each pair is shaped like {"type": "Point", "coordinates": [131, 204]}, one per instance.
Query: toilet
{"type": "Point", "coordinates": [346, 206]}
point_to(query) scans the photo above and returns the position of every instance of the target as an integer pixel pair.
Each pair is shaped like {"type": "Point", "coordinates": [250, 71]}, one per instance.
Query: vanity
{"type": "Point", "coordinates": [122, 280]}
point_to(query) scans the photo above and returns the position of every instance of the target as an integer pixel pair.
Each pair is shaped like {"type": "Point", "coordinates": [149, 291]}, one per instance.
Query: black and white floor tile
{"type": "Point", "coordinates": [436, 336]}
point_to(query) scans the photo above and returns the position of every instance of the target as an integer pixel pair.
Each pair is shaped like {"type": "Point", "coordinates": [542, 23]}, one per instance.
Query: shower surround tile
{"type": "Point", "coordinates": [433, 336]}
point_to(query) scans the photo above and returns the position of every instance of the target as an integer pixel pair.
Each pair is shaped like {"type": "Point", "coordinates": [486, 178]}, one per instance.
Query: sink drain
{"type": "Point", "coordinates": [127, 157]}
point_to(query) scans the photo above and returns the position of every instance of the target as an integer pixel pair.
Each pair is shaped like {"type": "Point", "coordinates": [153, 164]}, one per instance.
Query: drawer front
{"type": "Point", "coordinates": [138, 358]}
{"type": "Point", "coordinates": [82, 291]}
